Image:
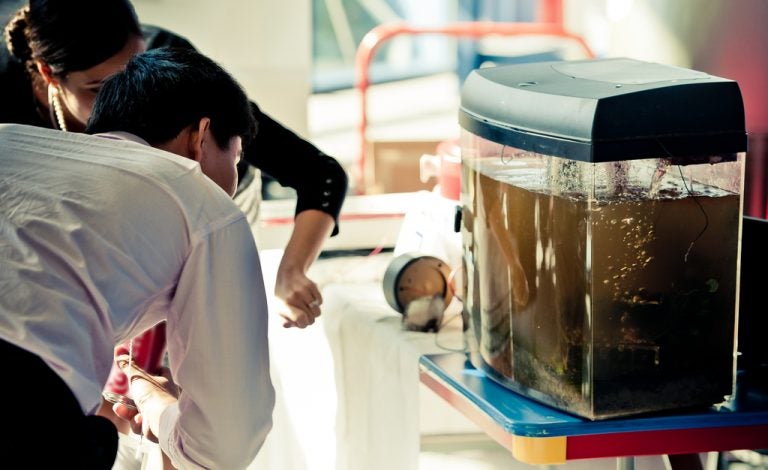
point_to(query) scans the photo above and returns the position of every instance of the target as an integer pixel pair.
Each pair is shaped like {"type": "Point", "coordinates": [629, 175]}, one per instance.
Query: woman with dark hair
{"type": "Point", "coordinates": [59, 58]}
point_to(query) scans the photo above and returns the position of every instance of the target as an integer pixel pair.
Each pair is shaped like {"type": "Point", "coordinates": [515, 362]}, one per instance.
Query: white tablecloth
{"type": "Point", "coordinates": [348, 392]}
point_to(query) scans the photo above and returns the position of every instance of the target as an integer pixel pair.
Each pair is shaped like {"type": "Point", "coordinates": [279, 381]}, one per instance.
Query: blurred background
{"type": "Point", "coordinates": [297, 59]}
{"type": "Point", "coordinates": [379, 99]}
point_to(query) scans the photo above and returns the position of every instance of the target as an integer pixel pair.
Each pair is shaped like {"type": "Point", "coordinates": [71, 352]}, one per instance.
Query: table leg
{"type": "Point", "coordinates": [683, 462]}
{"type": "Point", "coordinates": [625, 463]}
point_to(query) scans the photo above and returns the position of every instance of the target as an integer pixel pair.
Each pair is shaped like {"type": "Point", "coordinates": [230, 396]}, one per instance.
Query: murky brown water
{"type": "Point", "coordinates": [602, 308]}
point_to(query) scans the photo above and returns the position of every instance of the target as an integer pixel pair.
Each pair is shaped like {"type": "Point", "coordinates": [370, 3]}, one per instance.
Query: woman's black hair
{"type": "Point", "coordinates": [166, 90]}
{"type": "Point", "coordinates": [70, 35]}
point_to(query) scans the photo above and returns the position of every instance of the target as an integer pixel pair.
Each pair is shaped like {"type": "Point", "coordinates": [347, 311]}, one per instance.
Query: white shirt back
{"type": "Point", "coordinates": [102, 238]}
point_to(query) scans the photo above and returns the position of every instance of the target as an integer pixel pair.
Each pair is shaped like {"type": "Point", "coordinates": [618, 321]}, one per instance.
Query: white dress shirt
{"type": "Point", "coordinates": [101, 238]}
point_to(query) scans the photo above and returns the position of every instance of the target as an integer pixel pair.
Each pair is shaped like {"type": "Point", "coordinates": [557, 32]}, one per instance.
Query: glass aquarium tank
{"type": "Point", "coordinates": [601, 217]}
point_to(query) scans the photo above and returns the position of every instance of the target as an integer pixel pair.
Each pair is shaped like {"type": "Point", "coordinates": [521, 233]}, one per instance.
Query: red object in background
{"type": "Point", "coordinates": [756, 177]}
{"type": "Point", "coordinates": [450, 169]}
{"type": "Point", "coordinates": [148, 350]}
{"type": "Point", "coordinates": [549, 23]}
{"type": "Point", "coordinates": [445, 166]}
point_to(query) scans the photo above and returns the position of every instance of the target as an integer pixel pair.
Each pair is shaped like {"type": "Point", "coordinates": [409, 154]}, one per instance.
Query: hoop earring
{"type": "Point", "coordinates": [54, 105]}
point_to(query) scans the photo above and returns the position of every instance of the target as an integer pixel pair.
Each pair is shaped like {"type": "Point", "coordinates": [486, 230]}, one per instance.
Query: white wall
{"type": "Point", "coordinates": [266, 45]}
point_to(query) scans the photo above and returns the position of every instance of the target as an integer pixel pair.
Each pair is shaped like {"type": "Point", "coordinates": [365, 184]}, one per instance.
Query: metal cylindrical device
{"type": "Point", "coordinates": [418, 286]}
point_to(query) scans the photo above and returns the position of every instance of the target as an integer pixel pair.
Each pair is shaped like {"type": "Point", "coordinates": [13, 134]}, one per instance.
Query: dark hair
{"type": "Point", "coordinates": [163, 91]}
{"type": "Point", "coordinates": [70, 35]}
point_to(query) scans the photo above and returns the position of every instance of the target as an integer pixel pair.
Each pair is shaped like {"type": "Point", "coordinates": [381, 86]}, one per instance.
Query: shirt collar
{"type": "Point", "coordinates": [120, 135]}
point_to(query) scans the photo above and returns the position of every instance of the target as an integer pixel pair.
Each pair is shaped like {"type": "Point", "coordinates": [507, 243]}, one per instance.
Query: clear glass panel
{"type": "Point", "coordinates": [605, 289]}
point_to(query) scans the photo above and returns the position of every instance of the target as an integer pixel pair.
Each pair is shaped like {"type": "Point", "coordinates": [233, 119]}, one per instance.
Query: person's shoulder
{"type": "Point", "coordinates": [119, 153]}
{"type": "Point", "coordinates": [156, 37]}
{"type": "Point", "coordinates": [175, 181]}
{"type": "Point", "coordinates": [181, 177]}
{"type": "Point", "coordinates": [21, 132]}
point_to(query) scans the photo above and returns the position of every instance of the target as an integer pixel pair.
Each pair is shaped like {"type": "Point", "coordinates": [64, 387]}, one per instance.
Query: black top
{"type": "Point", "coordinates": [319, 180]}
{"type": "Point", "coordinates": [605, 110]}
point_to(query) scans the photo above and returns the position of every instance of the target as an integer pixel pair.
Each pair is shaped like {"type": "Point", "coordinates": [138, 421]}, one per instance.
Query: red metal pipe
{"type": "Point", "coordinates": [550, 11]}
{"type": "Point", "coordinates": [471, 29]}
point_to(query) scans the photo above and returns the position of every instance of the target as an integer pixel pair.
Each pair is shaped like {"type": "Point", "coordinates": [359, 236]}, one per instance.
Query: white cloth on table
{"type": "Point", "coordinates": [348, 392]}
{"type": "Point", "coordinates": [301, 370]}
{"type": "Point", "coordinates": [377, 376]}
{"type": "Point", "coordinates": [304, 434]}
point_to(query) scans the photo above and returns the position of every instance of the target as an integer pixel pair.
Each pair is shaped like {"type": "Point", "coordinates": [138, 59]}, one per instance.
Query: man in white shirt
{"type": "Point", "coordinates": [102, 236]}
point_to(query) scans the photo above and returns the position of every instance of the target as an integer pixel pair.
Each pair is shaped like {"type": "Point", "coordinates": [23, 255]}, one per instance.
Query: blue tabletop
{"type": "Point", "coordinates": [521, 416]}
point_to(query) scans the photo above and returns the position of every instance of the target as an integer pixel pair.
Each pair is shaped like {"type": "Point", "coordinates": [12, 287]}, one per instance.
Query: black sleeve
{"type": "Point", "coordinates": [156, 37]}
{"type": "Point", "coordinates": [319, 180]}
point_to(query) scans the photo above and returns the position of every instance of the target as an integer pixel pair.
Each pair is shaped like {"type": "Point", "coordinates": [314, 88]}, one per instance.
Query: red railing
{"type": "Point", "coordinates": [550, 24]}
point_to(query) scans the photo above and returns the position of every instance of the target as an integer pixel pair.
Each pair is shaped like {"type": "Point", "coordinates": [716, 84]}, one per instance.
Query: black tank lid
{"type": "Point", "coordinates": [605, 110]}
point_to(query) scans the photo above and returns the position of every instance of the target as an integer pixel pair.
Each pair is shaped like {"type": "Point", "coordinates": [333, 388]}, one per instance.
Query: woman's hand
{"type": "Point", "coordinates": [300, 296]}
{"type": "Point", "coordinates": [292, 286]}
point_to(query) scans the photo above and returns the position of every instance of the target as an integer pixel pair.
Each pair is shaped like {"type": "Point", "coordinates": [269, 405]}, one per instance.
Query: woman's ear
{"type": "Point", "coordinates": [46, 73]}
{"type": "Point", "coordinates": [199, 138]}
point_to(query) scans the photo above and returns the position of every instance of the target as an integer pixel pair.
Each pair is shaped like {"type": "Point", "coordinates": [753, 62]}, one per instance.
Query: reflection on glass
{"type": "Point", "coordinates": [605, 289]}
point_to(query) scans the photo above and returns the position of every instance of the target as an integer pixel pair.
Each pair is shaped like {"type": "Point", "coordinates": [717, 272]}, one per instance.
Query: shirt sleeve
{"type": "Point", "coordinates": [319, 180]}
{"type": "Point", "coordinates": [218, 353]}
